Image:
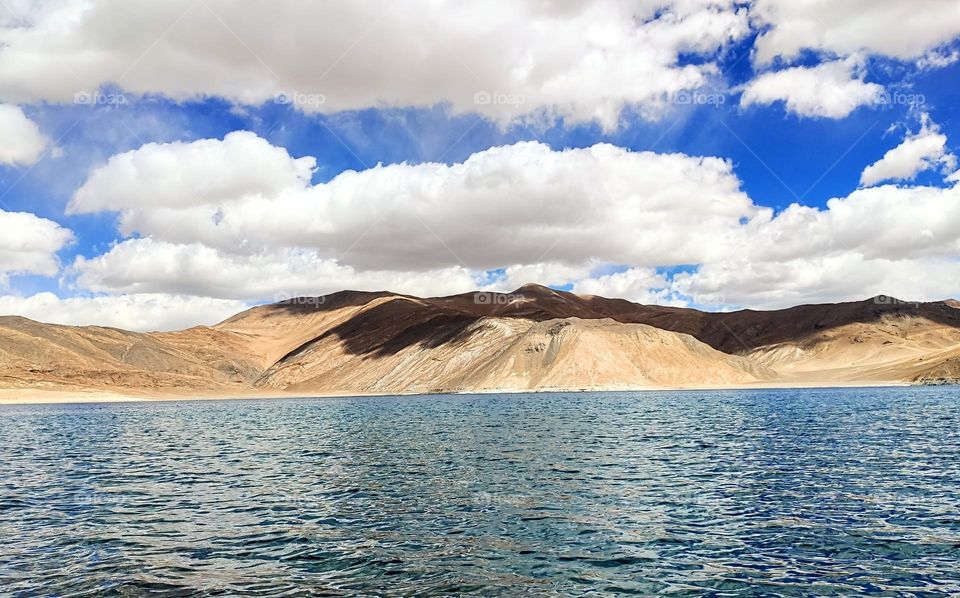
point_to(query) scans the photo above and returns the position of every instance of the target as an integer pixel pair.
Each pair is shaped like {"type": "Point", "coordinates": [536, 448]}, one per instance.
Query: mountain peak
{"type": "Point", "coordinates": [535, 289]}
{"type": "Point", "coordinates": [361, 342]}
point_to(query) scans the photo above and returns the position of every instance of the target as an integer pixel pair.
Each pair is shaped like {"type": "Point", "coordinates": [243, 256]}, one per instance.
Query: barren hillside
{"type": "Point", "coordinates": [532, 339]}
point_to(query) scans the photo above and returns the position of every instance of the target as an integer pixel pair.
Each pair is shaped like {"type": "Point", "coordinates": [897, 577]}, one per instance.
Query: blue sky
{"type": "Point", "coordinates": [821, 112]}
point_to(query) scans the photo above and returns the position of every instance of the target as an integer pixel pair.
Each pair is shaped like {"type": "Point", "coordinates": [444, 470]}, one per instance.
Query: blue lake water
{"type": "Point", "coordinates": [762, 492]}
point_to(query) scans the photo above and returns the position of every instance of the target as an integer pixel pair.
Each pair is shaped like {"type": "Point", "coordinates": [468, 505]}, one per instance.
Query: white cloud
{"type": "Point", "coordinates": [28, 244]}
{"type": "Point", "coordinates": [919, 152]}
{"type": "Point", "coordinates": [517, 204]}
{"type": "Point", "coordinates": [207, 171]}
{"type": "Point", "coordinates": [938, 59]}
{"type": "Point", "coordinates": [902, 30]}
{"type": "Point", "coordinates": [577, 59]}
{"type": "Point", "coordinates": [148, 266]}
{"type": "Point", "coordinates": [843, 34]}
{"type": "Point", "coordinates": [539, 215]}
{"type": "Point", "coordinates": [830, 90]}
{"type": "Point", "coordinates": [143, 312]}
{"type": "Point", "coordinates": [226, 222]}
{"type": "Point", "coordinates": [21, 142]}
{"type": "Point", "coordinates": [143, 266]}
{"type": "Point", "coordinates": [547, 273]}
{"type": "Point", "coordinates": [878, 222]}
{"type": "Point", "coordinates": [844, 276]}
{"type": "Point", "coordinates": [642, 285]}
{"type": "Point", "coordinates": [902, 241]}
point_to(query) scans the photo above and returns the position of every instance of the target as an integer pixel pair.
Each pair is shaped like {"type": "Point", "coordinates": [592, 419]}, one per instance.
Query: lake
{"type": "Point", "coordinates": [759, 492]}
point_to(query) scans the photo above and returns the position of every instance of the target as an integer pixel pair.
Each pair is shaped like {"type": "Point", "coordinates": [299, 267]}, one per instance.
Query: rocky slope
{"type": "Point", "coordinates": [35, 355]}
{"type": "Point", "coordinates": [533, 339]}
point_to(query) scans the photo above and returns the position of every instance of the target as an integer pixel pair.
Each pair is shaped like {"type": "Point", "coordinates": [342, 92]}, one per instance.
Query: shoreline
{"type": "Point", "coordinates": [37, 396]}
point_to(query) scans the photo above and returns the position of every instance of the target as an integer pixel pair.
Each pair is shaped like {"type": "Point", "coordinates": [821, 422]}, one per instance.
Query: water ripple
{"type": "Point", "coordinates": [827, 492]}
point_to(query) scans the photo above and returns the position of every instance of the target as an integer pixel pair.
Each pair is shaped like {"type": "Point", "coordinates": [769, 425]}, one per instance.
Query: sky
{"type": "Point", "coordinates": [168, 164]}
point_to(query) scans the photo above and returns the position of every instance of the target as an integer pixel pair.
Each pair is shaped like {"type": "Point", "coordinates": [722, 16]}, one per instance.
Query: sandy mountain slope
{"type": "Point", "coordinates": [533, 338]}
{"type": "Point", "coordinates": [51, 356]}
{"type": "Point", "coordinates": [507, 354]}
{"type": "Point", "coordinates": [895, 344]}
{"type": "Point", "coordinates": [738, 332]}
{"type": "Point", "coordinates": [877, 340]}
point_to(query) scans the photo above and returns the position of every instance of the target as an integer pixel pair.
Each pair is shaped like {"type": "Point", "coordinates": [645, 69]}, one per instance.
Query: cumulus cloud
{"type": "Point", "coordinates": [148, 266]}
{"type": "Point", "coordinates": [517, 204]}
{"type": "Point", "coordinates": [505, 59]}
{"type": "Point", "coordinates": [881, 240]}
{"type": "Point", "coordinates": [259, 230]}
{"type": "Point", "coordinates": [212, 225]}
{"type": "Point", "coordinates": [830, 90]}
{"type": "Point", "coordinates": [207, 171]}
{"type": "Point", "coordinates": [877, 222]}
{"type": "Point", "coordinates": [529, 61]}
{"type": "Point", "coordinates": [918, 152]}
{"type": "Point", "coordinates": [142, 312]}
{"type": "Point", "coordinates": [843, 34]}
{"type": "Point", "coordinates": [643, 285]}
{"type": "Point", "coordinates": [504, 217]}
{"type": "Point", "coordinates": [29, 244]}
{"type": "Point", "coordinates": [21, 142]}
{"type": "Point", "coordinates": [547, 273]}
{"type": "Point", "coordinates": [901, 30]}
{"type": "Point", "coordinates": [845, 276]}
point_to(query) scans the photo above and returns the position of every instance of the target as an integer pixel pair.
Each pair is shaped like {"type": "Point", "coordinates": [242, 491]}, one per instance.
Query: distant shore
{"type": "Point", "coordinates": [32, 396]}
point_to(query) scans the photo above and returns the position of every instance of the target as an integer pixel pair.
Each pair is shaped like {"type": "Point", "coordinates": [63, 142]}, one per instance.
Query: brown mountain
{"type": "Point", "coordinates": [532, 339]}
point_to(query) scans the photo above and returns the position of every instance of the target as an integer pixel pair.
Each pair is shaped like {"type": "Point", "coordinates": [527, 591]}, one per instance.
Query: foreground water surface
{"type": "Point", "coordinates": [791, 492]}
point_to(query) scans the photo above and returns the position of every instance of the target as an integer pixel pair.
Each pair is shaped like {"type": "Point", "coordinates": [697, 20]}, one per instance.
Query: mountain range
{"type": "Point", "coordinates": [535, 338]}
